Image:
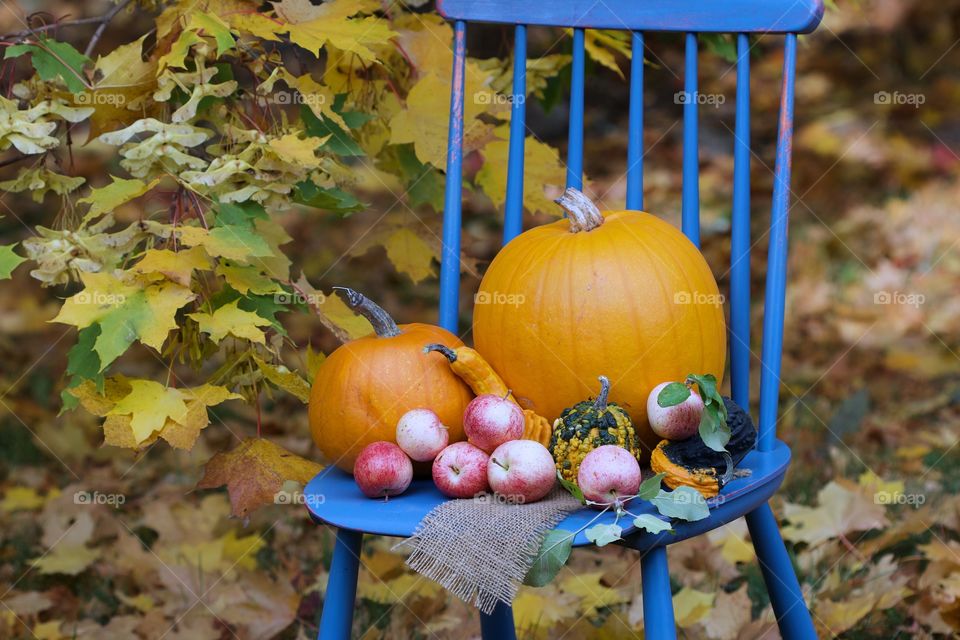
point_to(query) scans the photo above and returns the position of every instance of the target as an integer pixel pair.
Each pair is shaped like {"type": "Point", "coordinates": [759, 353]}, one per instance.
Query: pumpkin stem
{"type": "Point", "coordinates": [600, 404]}
{"type": "Point", "coordinates": [447, 352]}
{"type": "Point", "coordinates": [583, 214]}
{"type": "Point", "coordinates": [383, 324]}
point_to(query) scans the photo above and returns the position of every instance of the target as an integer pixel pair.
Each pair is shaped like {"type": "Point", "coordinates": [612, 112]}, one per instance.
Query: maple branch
{"type": "Point", "coordinates": [104, 21]}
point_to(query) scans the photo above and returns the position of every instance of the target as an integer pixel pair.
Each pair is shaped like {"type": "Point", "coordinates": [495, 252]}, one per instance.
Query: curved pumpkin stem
{"type": "Point", "coordinates": [600, 404]}
{"type": "Point", "coordinates": [447, 352]}
{"type": "Point", "coordinates": [583, 214]}
{"type": "Point", "coordinates": [383, 324]}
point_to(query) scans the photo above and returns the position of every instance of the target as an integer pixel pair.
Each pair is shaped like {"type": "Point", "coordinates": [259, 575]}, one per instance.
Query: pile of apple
{"type": "Point", "coordinates": [493, 457]}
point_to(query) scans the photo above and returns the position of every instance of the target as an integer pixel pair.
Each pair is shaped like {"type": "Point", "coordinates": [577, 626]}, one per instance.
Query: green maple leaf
{"type": "Point", "coordinates": [53, 60]}
{"type": "Point", "coordinates": [8, 261]}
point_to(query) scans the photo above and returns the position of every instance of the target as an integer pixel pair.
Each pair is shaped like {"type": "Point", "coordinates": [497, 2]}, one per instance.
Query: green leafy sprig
{"type": "Point", "coordinates": [714, 430]}
{"type": "Point", "coordinates": [683, 503]}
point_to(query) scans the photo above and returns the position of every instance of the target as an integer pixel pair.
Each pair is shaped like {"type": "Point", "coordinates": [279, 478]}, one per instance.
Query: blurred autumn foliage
{"type": "Point", "coordinates": [204, 171]}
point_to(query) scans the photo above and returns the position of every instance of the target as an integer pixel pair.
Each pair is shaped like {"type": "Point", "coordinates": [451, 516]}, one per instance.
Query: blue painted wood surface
{"type": "Point", "coordinates": [690, 98]}
{"type": "Point", "coordinates": [513, 211]}
{"type": "Point", "coordinates": [658, 622]}
{"type": "Point", "coordinates": [575, 129]}
{"type": "Point", "coordinates": [635, 127]}
{"type": "Point", "coordinates": [452, 199]}
{"type": "Point", "coordinates": [740, 234]}
{"type": "Point", "coordinates": [717, 16]}
{"type": "Point", "coordinates": [773, 305]}
{"type": "Point", "coordinates": [786, 596]}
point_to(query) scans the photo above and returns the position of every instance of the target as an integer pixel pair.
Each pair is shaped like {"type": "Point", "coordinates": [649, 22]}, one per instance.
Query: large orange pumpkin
{"type": "Point", "coordinates": [617, 293]}
{"type": "Point", "coordinates": [365, 385]}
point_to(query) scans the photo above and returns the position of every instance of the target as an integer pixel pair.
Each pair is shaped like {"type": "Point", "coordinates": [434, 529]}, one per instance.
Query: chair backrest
{"type": "Point", "coordinates": [690, 17]}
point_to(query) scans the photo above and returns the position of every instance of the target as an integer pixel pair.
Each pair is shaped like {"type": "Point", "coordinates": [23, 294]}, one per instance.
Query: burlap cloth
{"type": "Point", "coordinates": [480, 549]}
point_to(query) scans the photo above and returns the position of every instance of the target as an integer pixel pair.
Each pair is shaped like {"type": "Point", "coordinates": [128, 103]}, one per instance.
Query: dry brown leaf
{"type": "Point", "coordinates": [254, 472]}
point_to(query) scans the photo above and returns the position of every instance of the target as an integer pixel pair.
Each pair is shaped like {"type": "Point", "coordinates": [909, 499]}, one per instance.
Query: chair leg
{"type": "Point", "coordinates": [658, 621]}
{"type": "Point", "coordinates": [499, 624]}
{"type": "Point", "coordinates": [792, 613]}
{"type": "Point", "coordinates": [336, 620]}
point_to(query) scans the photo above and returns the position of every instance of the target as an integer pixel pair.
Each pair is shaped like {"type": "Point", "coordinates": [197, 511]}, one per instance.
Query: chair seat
{"type": "Point", "coordinates": [333, 498]}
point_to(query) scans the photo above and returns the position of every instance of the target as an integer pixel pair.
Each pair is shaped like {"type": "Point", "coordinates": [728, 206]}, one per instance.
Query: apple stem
{"type": "Point", "coordinates": [497, 462]}
{"type": "Point", "coordinates": [600, 404]}
{"type": "Point", "coordinates": [507, 394]}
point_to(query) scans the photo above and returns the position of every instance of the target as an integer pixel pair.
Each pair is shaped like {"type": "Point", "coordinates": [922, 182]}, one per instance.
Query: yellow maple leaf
{"type": "Point", "coordinates": [313, 26]}
{"type": "Point", "coordinates": [425, 120]}
{"type": "Point", "coordinates": [176, 57]}
{"type": "Point", "coordinates": [256, 24]}
{"type": "Point", "coordinates": [283, 378]}
{"type": "Point", "coordinates": [410, 254]}
{"type": "Point", "coordinates": [542, 170]}
{"type": "Point", "coordinates": [601, 45]}
{"type": "Point", "coordinates": [177, 266]}
{"type": "Point", "coordinates": [123, 81]}
{"type": "Point", "coordinates": [231, 319]}
{"type": "Point", "coordinates": [691, 606]}
{"type": "Point", "coordinates": [150, 404]}
{"type": "Point", "coordinates": [298, 150]}
{"type": "Point", "coordinates": [102, 293]}
{"type": "Point", "coordinates": [591, 593]}
{"type": "Point", "coordinates": [247, 279]}
{"type": "Point", "coordinates": [66, 558]}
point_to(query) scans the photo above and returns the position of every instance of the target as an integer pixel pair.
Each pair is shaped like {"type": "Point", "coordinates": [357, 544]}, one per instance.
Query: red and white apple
{"type": "Point", "coordinates": [382, 469]}
{"type": "Point", "coordinates": [460, 470]}
{"type": "Point", "coordinates": [421, 435]}
{"type": "Point", "coordinates": [609, 473]}
{"type": "Point", "coordinates": [490, 420]}
{"type": "Point", "coordinates": [522, 470]}
{"type": "Point", "coordinates": [678, 422]}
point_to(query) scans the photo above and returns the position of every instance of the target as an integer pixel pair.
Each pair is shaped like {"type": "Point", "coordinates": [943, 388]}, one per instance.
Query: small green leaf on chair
{"type": "Point", "coordinates": [553, 554]}
{"type": "Point", "coordinates": [603, 534]}
{"type": "Point", "coordinates": [651, 523]}
{"type": "Point", "coordinates": [683, 503]}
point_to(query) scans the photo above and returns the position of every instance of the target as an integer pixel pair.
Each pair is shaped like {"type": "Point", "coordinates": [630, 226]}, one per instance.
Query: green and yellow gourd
{"type": "Point", "coordinates": [587, 425]}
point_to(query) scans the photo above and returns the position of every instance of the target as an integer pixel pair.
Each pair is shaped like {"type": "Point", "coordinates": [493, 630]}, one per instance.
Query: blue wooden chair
{"type": "Point", "coordinates": [344, 507]}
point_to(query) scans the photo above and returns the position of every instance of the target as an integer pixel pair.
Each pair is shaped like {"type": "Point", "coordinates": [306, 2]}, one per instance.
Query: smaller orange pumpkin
{"type": "Point", "coordinates": [365, 385]}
